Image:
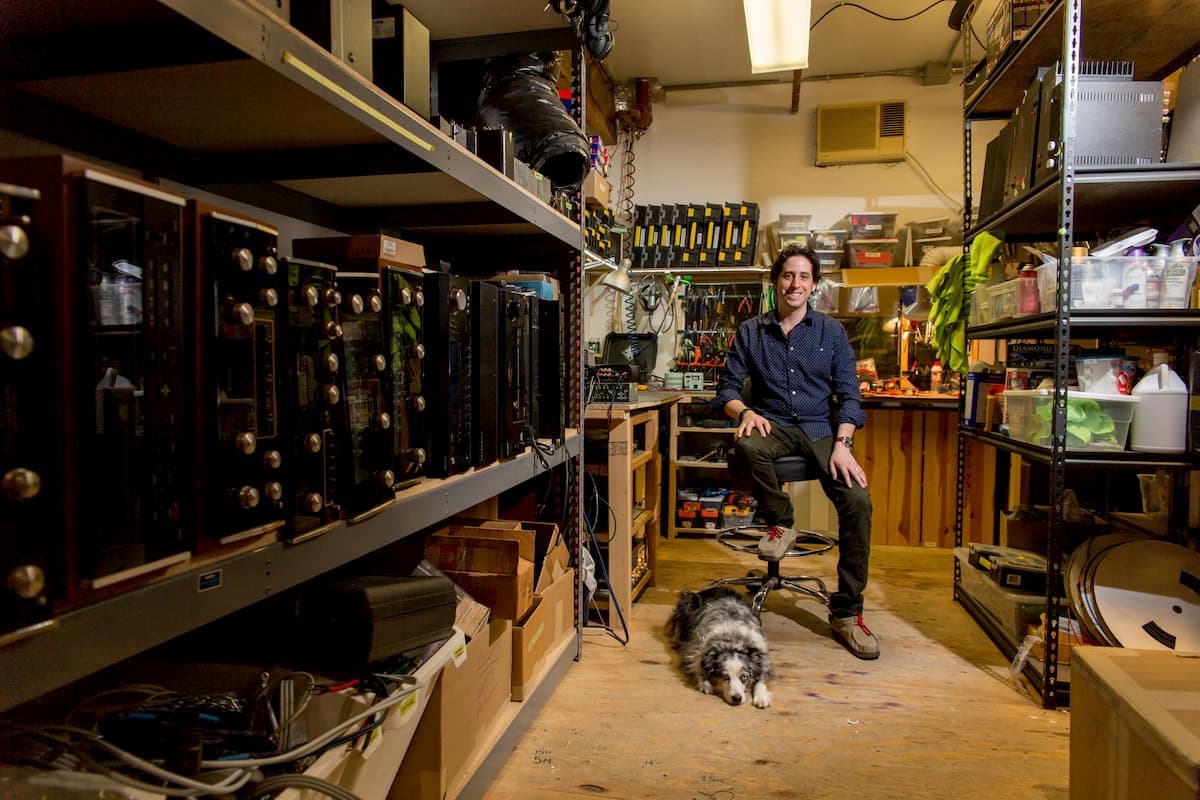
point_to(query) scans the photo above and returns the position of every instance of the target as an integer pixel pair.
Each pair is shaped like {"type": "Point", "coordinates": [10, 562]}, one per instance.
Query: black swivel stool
{"type": "Point", "coordinates": [808, 543]}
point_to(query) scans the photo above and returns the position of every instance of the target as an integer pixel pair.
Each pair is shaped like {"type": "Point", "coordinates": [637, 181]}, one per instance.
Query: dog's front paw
{"type": "Point", "coordinates": [706, 687]}
{"type": "Point", "coordinates": [762, 697]}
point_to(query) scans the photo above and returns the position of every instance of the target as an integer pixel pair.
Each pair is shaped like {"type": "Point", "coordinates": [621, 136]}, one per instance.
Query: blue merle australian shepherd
{"type": "Point", "coordinates": [721, 645]}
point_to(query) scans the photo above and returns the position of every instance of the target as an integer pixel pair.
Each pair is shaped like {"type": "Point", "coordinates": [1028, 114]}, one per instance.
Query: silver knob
{"type": "Point", "coordinates": [418, 403]}
{"type": "Point", "coordinates": [314, 502]}
{"type": "Point", "coordinates": [26, 581]}
{"type": "Point", "coordinates": [419, 298]}
{"type": "Point", "coordinates": [418, 351]}
{"type": "Point", "coordinates": [387, 478]}
{"type": "Point", "coordinates": [333, 330]}
{"type": "Point", "coordinates": [16, 342]}
{"type": "Point", "coordinates": [405, 297]}
{"type": "Point", "coordinates": [14, 241]}
{"type": "Point", "coordinates": [419, 455]}
{"type": "Point", "coordinates": [242, 314]}
{"type": "Point", "coordinates": [269, 298]}
{"type": "Point", "coordinates": [243, 259]}
{"type": "Point", "coordinates": [355, 304]}
{"type": "Point", "coordinates": [273, 491]}
{"type": "Point", "coordinates": [332, 395]}
{"type": "Point", "coordinates": [312, 443]}
{"type": "Point", "coordinates": [374, 302]}
{"type": "Point", "coordinates": [268, 264]}
{"type": "Point", "coordinates": [332, 297]}
{"type": "Point", "coordinates": [458, 300]}
{"type": "Point", "coordinates": [245, 443]}
{"type": "Point", "coordinates": [20, 483]}
{"type": "Point", "coordinates": [379, 363]}
{"type": "Point", "coordinates": [247, 497]}
{"type": "Point", "coordinates": [311, 296]}
{"type": "Point", "coordinates": [273, 459]}
{"type": "Point", "coordinates": [383, 420]}
{"type": "Point", "coordinates": [331, 362]}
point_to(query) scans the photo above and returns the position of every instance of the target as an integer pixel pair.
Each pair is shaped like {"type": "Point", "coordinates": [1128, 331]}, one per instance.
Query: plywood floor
{"type": "Point", "coordinates": [935, 717]}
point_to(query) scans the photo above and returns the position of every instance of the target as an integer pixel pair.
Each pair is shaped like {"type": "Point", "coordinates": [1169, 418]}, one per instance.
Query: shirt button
{"type": "Point", "coordinates": [793, 391]}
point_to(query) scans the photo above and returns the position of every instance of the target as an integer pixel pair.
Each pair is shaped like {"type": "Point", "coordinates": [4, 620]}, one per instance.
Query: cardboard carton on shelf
{"type": "Point", "coordinates": [596, 189]}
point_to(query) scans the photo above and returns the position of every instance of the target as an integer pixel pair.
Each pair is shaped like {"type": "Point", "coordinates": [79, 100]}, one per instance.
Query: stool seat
{"type": "Point", "coordinates": [790, 469]}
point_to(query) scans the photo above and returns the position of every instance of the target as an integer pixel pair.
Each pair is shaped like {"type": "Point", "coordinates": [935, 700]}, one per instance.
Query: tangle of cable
{"type": "Point", "coordinates": [873, 13]}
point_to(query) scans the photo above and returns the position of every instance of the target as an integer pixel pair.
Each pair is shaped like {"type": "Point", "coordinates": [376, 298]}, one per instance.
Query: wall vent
{"type": "Point", "coordinates": [860, 133]}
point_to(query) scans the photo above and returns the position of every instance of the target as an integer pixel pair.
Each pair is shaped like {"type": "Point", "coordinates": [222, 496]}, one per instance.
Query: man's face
{"type": "Point", "coordinates": [794, 285]}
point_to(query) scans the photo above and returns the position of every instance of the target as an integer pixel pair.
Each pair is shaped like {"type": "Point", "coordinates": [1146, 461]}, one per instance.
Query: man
{"type": "Point", "coordinates": [797, 360]}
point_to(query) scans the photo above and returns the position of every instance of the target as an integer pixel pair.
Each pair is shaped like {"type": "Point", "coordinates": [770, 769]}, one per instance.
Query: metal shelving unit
{"type": "Point", "coordinates": [226, 97]}
{"type": "Point", "coordinates": [1087, 200]}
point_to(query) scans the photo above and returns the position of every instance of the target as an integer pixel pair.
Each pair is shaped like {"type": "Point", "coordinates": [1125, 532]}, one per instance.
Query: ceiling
{"type": "Point", "coordinates": [690, 42]}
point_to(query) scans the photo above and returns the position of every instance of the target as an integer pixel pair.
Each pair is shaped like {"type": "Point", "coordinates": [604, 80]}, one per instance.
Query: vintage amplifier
{"type": "Point", "coordinates": [27, 465]}
{"type": "Point", "coordinates": [367, 475]}
{"type": "Point", "coordinates": [515, 369]}
{"type": "Point", "coordinates": [113, 272]}
{"type": "Point", "coordinates": [403, 307]}
{"type": "Point", "coordinates": [447, 375]}
{"type": "Point", "coordinates": [487, 381]}
{"type": "Point", "coordinates": [611, 383]}
{"type": "Point", "coordinates": [242, 450]}
{"type": "Point", "coordinates": [314, 355]}
{"type": "Point", "coordinates": [545, 346]}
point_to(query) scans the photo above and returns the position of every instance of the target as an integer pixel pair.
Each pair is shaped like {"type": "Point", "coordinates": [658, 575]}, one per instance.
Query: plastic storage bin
{"type": "Point", "coordinates": [981, 305]}
{"type": "Point", "coordinates": [1004, 300]}
{"type": "Point", "coordinates": [831, 260]}
{"type": "Point", "coordinates": [919, 246]}
{"type": "Point", "coordinates": [930, 228]}
{"type": "Point", "coordinates": [1013, 612]}
{"type": "Point", "coordinates": [871, 252]}
{"type": "Point", "coordinates": [1094, 421]}
{"type": "Point", "coordinates": [830, 239]}
{"type": "Point", "coordinates": [872, 225]}
{"type": "Point", "coordinates": [794, 223]}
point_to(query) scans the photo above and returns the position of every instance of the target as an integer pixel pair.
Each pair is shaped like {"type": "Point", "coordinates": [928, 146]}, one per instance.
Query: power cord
{"type": "Point", "coordinates": [927, 8]}
{"type": "Point", "coordinates": [613, 604]}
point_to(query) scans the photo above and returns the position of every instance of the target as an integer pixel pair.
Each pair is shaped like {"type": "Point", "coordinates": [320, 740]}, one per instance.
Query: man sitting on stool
{"type": "Point", "coordinates": [797, 359]}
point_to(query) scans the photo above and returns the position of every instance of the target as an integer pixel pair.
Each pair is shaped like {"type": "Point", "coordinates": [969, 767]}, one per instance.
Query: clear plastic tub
{"type": "Point", "coordinates": [794, 223]}
{"type": "Point", "coordinates": [1094, 421]}
{"type": "Point", "coordinates": [981, 305]}
{"type": "Point", "coordinates": [871, 252]}
{"type": "Point", "coordinates": [830, 239]}
{"type": "Point", "coordinates": [1004, 300]}
{"type": "Point", "coordinates": [831, 260]}
{"type": "Point", "coordinates": [872, 225]}
{"type": "Point", "coordinates": [930, 228]}
{"type": "Point", "coordinates": [1014, 612]}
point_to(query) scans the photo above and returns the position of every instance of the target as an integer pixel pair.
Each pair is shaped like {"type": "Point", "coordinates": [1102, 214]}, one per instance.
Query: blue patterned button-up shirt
{"type": "Point", "coordinates": [793, 377]}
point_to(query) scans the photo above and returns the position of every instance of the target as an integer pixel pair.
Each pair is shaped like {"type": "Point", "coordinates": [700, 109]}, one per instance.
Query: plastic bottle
{"type": "Point", "coordinates": [1028, 301]}
{"type": "Point", "coordinates": [935, 376]}
{"type": "Point", "coordinates": [1160, 419]}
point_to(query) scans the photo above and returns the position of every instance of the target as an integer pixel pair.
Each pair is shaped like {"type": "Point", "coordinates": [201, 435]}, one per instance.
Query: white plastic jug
{"type": "Point", "coordinates": [1160, 424]}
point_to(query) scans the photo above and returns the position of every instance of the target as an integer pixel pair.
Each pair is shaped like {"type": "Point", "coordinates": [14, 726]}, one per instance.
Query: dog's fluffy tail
{"type": "Point", "coordinates": [679, 626]}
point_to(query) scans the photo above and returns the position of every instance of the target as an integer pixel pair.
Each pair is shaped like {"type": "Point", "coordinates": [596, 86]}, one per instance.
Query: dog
{"type": "Point", "coordinates": [721, 645]}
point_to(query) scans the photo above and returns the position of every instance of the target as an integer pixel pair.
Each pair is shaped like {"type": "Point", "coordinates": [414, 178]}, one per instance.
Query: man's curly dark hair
{"type": "Point", "coordinates": [796, 250]}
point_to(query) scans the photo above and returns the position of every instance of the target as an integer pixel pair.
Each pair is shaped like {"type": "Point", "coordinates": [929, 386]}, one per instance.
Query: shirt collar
{"type": "Point", "coordinates": [769, 318]}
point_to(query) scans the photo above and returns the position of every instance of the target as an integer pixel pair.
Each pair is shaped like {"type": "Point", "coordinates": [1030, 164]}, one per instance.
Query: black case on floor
{"type": "Point", "coordinates": [357, 622]}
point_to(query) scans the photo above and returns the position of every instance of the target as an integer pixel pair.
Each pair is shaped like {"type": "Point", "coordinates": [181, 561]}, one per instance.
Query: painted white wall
{"type": "Point", "coordinates": [716, 145]}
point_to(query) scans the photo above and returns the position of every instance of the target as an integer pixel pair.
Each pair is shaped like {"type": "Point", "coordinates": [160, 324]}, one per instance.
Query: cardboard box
{"type": "Point", "coordinates": [596, 189]}
{"type": "Point", "coordinates": [495, 566]}
{"type": "Point", "coordinates": [366, 247]}
{"type": "Point", "coordinates": [467, 700]}
{"type": "Point", "coordinates": [1135, 727]}
{"type": "Point", "coordinates": [549, 622]}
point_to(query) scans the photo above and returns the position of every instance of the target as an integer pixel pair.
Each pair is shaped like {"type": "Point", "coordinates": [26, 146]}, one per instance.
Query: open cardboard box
{"type": "Point", "coordinates": [494, 565]}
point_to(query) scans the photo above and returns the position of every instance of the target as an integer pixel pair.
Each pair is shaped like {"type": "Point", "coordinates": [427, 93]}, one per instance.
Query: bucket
{"type": "Point", "coordinates": [1160, 424]}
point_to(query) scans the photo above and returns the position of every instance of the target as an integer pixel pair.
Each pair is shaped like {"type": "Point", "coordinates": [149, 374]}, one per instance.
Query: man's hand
{"type": "Point", "coordinates": [844, 466]}
{"type": "Point", "coordinates": [751, 421]}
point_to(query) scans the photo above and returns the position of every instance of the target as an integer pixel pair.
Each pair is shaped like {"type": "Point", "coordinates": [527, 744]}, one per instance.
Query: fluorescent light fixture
{"type": "Point", "coordinates": [778, 34]}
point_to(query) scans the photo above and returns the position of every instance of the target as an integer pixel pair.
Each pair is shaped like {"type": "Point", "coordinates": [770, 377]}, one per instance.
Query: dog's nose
{"type": "Point", "coordinates": [737, 699]}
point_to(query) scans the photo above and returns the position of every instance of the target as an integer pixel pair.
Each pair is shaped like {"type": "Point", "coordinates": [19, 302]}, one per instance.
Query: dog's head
{"type": "Point", "coordinates": [732, 672]}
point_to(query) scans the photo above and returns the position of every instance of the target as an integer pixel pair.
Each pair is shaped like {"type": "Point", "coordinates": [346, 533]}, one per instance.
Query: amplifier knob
{"type": "Point", "coordinates": [419, 455]}
{"type": "Point", "coordinates": [269, 298]}
{"type": "Point", "coordinates": [405, 297]}
{"type": "Point", "coordinates": [383, 420]}
{"type": "Point", "coordinates": [20, 483]}
{"type": "Point", "coordinates": [273, 459]}
{"type": "Point", "coordinates": [418, 351]}
{"type": "Point", "coordinates": [313, 503]}
{"type": "Point", "coordinates": [312, 443]}
{"type": "Point", "coordinates": [331, 362]}
{"type": "Point", "coordinates": [247, 497]}
{"type": "Point", "coordinates": [333, 330]}
{"type": "Point", "coordinates": [332, 297]}
{"type": "Point", "coordinates": [268, 264]}
{"type": "Point", "coordinates": [26, 581]}
{"type": "Point", "coordinates": [16, 342]}
{"type": "Point", "coordinates": [332, 395]}
{"type": "Point", "coordinates": [242, 314]}
{"type": "Point", "coordinates": [374, 302]}
{"type": "Point", "coordinates": [379, 363]}
{"type": "Point", "coordinates": [419, 298]}
{"type": "Point", "coordinates": [458, 300]}
{"type": "Point", "coordinates": [14, 242]}
{"type": "Point", "coordinates": [1051, 163]}
{"type": "Point", "coordinates": [243, 259]}
{"type": "Point", "coordinates": [387, 478]}
{"type": "Point", "coordinates": [355, 304]}
{"type": "Point", "coordinates": [245, 443]}
{"type": "Point", "coordinates": [418, 403]}
{"type": "Point", "coordinates": [311, 296]}
{"type": "Point", "coordinates": [273, 491]}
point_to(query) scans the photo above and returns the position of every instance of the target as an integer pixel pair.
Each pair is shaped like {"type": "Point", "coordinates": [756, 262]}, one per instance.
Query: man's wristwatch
{"type": "Point", "coordinates": [742, 413]}
{"type": "Point", "coordinates": [848, 441]}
